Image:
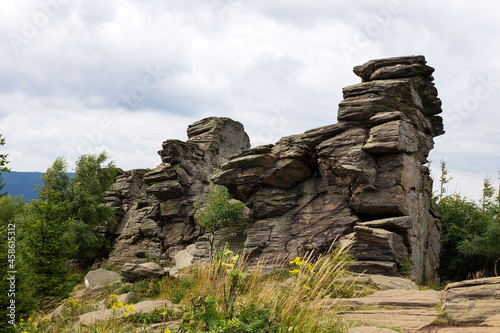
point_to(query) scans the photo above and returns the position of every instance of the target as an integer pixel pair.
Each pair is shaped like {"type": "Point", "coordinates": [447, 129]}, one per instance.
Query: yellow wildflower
{"type": "Point", "coordinates": [297, 261]}
{"type": "Point", "coordinates": [294, 272]}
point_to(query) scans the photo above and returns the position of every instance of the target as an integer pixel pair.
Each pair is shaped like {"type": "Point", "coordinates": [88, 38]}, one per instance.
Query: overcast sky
{"type": "Point", "coordinates": [84, 76]}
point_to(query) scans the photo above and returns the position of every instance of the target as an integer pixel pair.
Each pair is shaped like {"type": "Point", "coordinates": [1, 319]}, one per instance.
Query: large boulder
{"type": "Point", "coordinates": [135, 272]}
{"type": "Point", "coordinates": [100, 278]}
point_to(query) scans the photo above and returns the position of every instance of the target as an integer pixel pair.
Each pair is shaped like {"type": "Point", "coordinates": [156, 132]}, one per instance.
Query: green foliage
{"type": "Point", "coordinates": [217, 212]}
{"type": "Point", "coordinates": [87, 205]}
{"type": "Point", "coordinates": [10, 260]}
{"type": "Point", "coordinates": [461, 219]}
{"type": "Point", "coordinates": [46, 243]}
{"type": "Point", "coordinates": [205, 317]}
{"type": "Point", "coordinates": [61, 224]}
{"type": "Point", "coordinates": [444, 179]}
{"type": "Point", "coordinates": [3, 168]}
{"type": "Point", "coordinates": [488, 193]}
{"type": "Point", "coordinates": [470, 233]}
{"type": "Point", "coordinates": [147, 288]}
{"type": "Point", "coordinates": [154, 317]}
{"type": "Point", "coordinates": [179, 289]}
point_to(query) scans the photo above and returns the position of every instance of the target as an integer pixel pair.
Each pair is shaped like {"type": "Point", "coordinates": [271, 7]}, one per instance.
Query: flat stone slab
{"type": "Point", "coordinates": [410, 320]}
{"type": "Point", "coordinates": [90, 318]}
{"type": "Point", "coordinates": [454, 329]}
{"type": "Point", "coordinates": [473, 302]}
{"type": "Point", "coordinates": [391, 282]}
{"type": "Point", "coordinates": [370, 330]}
{"type": "Point", "coordinates": [93, 317]}
{"type": "Point", "coordinates": [149, 306]}
{"type": "Point", "coordinates": [392, 297]}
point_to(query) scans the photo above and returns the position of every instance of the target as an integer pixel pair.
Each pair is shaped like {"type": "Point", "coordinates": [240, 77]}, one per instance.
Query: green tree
{"type": "Point", "coordinates": [444, 179]}
{"type": "Point", "coordinates": [488, 193]}
{"type": "Point", "coordinates": [61, 224]}
{"type": "Point", "coordinates": [486, 244]}
{"type": "Point", "coordinates": [88, 210]}
{"type": "Point", "coordinates": [217, 211]}
{"type": "Point", "coordinates": [461, 220]}
{"type": "Point", "coordinates": [10, 260]}
{"type": "Point", "coordinates": [46, 244]}
{"type": "Point", "coordinates": [3, 168]}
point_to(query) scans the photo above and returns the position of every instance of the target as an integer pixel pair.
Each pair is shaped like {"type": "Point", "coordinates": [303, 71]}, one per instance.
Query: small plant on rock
{"type": "Point", "coordinates": [217, 211]}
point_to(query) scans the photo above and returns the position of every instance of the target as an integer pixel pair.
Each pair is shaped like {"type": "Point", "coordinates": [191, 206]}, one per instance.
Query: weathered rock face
{"type": "Point", "coordinates": [154, 209]}
{"type": "Point", "coordinates": [362, 179]}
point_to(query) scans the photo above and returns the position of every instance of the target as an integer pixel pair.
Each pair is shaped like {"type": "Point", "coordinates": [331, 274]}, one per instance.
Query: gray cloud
{"type": "Point", "coordinates": [82, 76]}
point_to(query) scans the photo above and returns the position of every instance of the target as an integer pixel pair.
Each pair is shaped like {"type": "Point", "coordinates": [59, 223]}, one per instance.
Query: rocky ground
{"type": "Point", "coordinates": [396, 305]}
{"type": "Point", "coordinates": [467, 306]}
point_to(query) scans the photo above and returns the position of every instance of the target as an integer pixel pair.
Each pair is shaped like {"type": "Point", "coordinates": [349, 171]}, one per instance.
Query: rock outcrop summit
{"type": "Point", "coordinates": [362, 180]}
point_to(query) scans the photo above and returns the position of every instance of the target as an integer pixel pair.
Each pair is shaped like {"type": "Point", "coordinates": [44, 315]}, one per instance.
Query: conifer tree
{"type": "Point", "coordinates": [443, 179]}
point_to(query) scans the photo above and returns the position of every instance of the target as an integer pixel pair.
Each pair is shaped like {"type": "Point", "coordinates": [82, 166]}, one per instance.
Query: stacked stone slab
{"type": "Point", "coordinates": [362, 180]}
{"type": "Point", "coordinates": [154, 209]}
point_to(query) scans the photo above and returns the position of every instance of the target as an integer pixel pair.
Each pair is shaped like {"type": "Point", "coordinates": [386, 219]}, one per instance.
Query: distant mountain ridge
{"type": "Point", "coordinates": [22, 183]}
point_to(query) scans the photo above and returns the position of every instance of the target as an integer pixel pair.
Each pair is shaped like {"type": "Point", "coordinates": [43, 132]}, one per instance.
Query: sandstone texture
{"type": "Point", "coordinates": [473, 302]}
{"type": "Point", "coordinates": [94, 317]}
{"type": "Point", "coordinates": [135, 272]}
{"type": "Point", "coordinates": [100, 278]}
{"type": "Point", "coordinates": [362, 180]}
{"type": "Point", "coordinates": [155, 208]}
{"type": "Point", "coordinates": [409, 310]}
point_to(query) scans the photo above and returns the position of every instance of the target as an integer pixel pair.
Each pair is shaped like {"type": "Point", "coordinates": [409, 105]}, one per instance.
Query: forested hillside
{"type": "Point", "coordinates": [22, 183]}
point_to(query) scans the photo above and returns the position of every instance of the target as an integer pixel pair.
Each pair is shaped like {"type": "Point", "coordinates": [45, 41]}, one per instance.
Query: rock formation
{"type": "Point", "coordinates": [154, 209]}
{"type": "Point", "coordinates": [363, 179]}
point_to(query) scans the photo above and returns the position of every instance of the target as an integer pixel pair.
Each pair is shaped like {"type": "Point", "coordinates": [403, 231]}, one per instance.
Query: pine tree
{"type": "Point", "coordinates": [443, 179]}
{"type": "Point", "coordinates": [45, 239]}
{"type": "Point", "coordinates": [488, 193]}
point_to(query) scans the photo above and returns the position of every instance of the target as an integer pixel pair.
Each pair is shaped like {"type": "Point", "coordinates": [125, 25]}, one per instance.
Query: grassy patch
{"type": "Point", "coordinates": [229, 295]}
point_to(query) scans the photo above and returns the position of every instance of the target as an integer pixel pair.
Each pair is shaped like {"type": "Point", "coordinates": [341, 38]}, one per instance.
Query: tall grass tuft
{"type": "Point", "coordinates": [298, 308]}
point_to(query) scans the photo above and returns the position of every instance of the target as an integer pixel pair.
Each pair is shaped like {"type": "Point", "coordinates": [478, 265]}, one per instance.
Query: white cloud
{"type": "Point", "coordinates": [277, 66]}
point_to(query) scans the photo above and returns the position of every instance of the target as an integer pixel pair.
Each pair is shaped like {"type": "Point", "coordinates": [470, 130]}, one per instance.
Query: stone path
{"type": "Point", "coordinates": [409, 310]}
{"type": "Point", "coordinates": [473, 306]}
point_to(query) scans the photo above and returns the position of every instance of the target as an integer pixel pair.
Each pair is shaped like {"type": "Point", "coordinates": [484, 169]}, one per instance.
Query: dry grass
{"type": "Point", "coordinates": [298, 308]}
{"type": "Point", "coordinates": [293, 306]}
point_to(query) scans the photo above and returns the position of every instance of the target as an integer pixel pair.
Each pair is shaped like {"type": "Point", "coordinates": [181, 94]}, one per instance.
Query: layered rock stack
{"type": "Point", "coordinates": [154, 209]}
{"type": "Point", "coordinates": [361, 180]}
